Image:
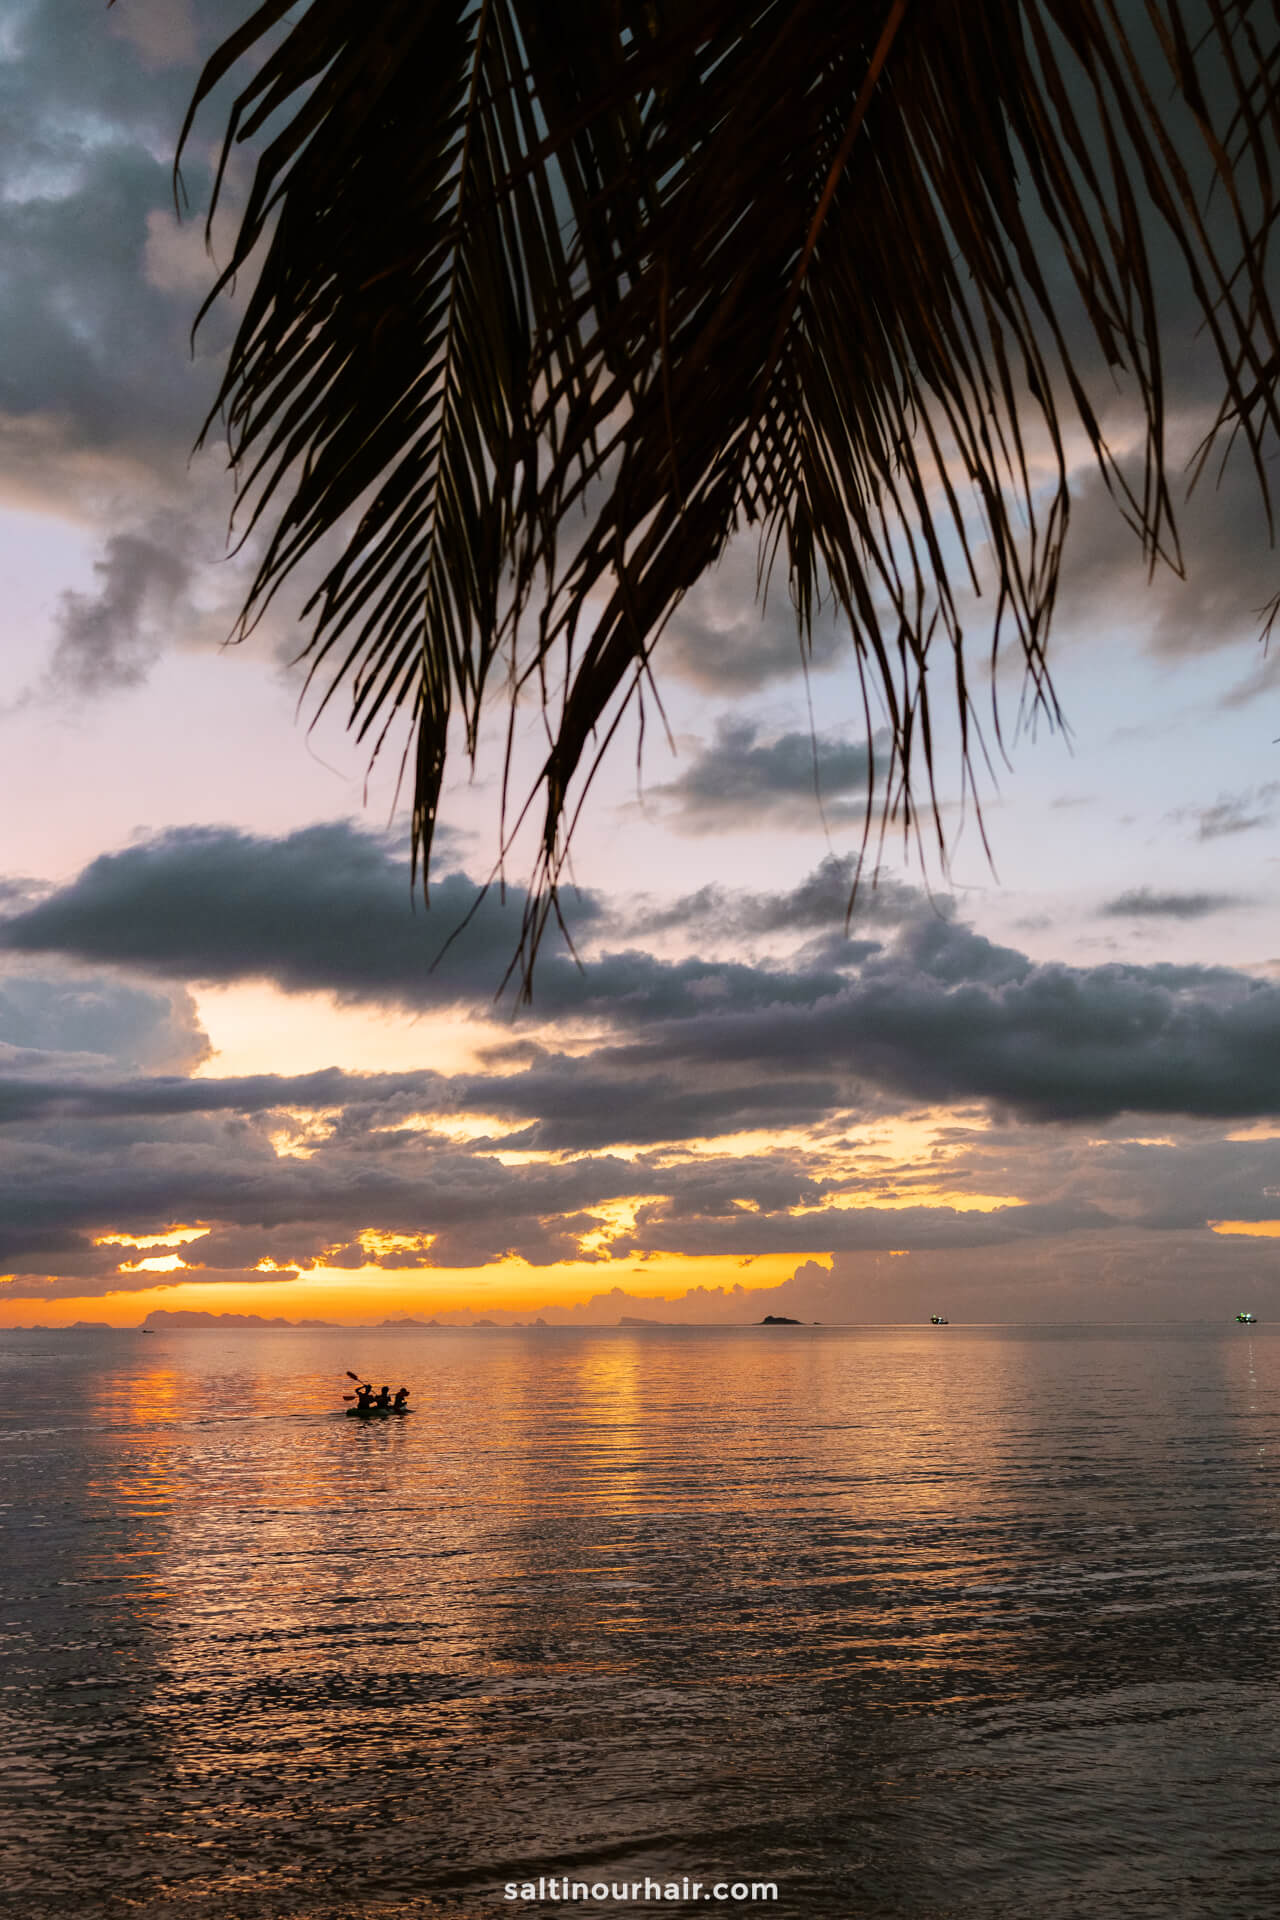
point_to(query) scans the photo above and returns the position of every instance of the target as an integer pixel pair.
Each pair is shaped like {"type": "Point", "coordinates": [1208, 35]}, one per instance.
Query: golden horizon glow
{"type": "Point", "coordinates": [1252, 1229]}
{"type": "Point", "coordinates": [355, 1296]}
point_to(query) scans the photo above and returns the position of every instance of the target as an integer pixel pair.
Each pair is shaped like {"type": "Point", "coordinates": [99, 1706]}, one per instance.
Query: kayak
{"type": "Point", "coordinates": [376, 1413]}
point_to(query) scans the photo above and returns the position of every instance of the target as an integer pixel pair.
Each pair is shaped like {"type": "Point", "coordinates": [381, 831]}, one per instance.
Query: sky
{"type": "Point", "coordinates": [243, 1069]}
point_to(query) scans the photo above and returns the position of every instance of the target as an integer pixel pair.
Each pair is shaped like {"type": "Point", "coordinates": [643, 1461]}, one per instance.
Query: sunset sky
{"type": "Point", "coordinates": [241, 1070]}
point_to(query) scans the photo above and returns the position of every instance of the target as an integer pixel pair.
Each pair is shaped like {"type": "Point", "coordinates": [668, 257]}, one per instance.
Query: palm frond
{"type": "Point", "coordinates": [733, 262]}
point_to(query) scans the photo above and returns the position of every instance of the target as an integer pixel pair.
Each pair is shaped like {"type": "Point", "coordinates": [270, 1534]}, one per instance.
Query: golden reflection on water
{"type": "Point", "coordinates": [604, 1427]}
{"type": "Point", "coordinates": [786, 1594]}
{"type": "Point", "coordinates": [607, 1383]}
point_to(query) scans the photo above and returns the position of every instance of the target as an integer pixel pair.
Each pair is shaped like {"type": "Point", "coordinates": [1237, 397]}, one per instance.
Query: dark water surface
{"type": "Point", "coordinates": [914, 1622]}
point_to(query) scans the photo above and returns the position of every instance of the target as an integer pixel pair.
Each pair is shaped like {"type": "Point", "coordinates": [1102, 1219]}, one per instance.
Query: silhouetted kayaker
{"type": "Point", "coordinates": [384, 1398]}
{"type": "Point", "coordinates": [402, 1394]}
{"type": "Point", "coordinates": [364, 1398]}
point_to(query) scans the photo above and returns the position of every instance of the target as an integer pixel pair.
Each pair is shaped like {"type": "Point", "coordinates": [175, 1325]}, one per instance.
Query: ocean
{"type": "Point", "coordinates": [902, 1622]}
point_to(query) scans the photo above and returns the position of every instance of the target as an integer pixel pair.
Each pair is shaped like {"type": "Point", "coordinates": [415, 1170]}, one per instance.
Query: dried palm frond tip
{"type": "Point", "coordinates": [559, 297]}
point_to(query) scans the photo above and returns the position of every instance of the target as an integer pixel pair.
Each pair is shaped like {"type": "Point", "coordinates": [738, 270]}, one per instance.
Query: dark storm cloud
{"type": "Point", "coordinates": [327, 907]}
{"type": "Point", "coordinates": [562, 1104]}
{"type": "Point", "coordinates": [571, 1105]}
{"type": "Point", "coordinates": [63, 1190]}
{"type": "Point", "coordinates": [32, 1100]}
{"type": "Point", "coordinates": [116, 1163]}
{"type": "Point", "coordinates": [1056, 1043]}
{"type": "Point", "coordinates": [788, 781]}
{"type": "Point", "coordinates": [932, 1012]}
{"type": "Point", "coordinates": [56, 1197]}
{"type": "Point", "coordinates": [97, 358]}
{"type": "Point", "coordinates": [332, 909]}
{"type": "Point", "coordinates": [858, 1229]}
{"type": "Point", "coordinates": [51, 1203]}
{"type": "Point", "coordinates": [1142, 903]}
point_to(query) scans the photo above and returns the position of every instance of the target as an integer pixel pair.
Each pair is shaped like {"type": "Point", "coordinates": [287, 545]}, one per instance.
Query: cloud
{"type": "Point", "coordinates": [818, 904]}
{"type": "Point", "coordinates": [1232, 572]}
{"type": "Point", "coordinates": [18, 891]}
{"type": "Point", "coordinates": [931, 1012]}
{"type": "Point", "coordinates": [1237, 813]}
{"type": "Point", "coordinates": [55, 1204]}
{"type": "Point", "coordinates": [101, 394]}
{"type": "Point", "coordinates": [1054, 1042]}
{"type": "Point", "coordinates": [742, 783]}
{"type": "Point", "coordinates": [721, 640]}
{"type": "Point", "coordinates": [97, 1018]}
{"type": "Point", "coordinates": [79, 1159]}
{"type": "Point", "coordinates": [109, 639]}
{"type": "Point", "coordinates": [163, 31]}
{"type": "Point", "coordinates": [1141, 903]}
{"type": "Point", "coordinates": [327, 907]}
{"type": "Point", "coordinates": [432, 1202]}
{"type": "Point", "coordinates": [332, 909]}
{"type": "Point", "coordinates": [96, 359]}
{"type": "Point", "coordinates": [1105, 1274]}
{"type": "Point", "coordinates": [863, 1228]}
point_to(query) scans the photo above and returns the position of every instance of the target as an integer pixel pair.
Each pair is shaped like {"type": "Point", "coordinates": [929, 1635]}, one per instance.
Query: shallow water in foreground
{"type": "Point", "coordinates": [912, 1622]}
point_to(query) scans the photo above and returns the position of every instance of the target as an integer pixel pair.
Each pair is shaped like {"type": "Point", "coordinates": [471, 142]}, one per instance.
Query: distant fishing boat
{"type": "Point", "coordinates": [1247, 1319]}
{"type": "Point", "coordinates": [939, 1320]}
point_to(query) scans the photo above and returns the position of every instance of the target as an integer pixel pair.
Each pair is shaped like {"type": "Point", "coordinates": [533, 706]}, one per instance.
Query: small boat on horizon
{"type": "Point", "coordinates": [939, 1320]}
{"type": "Point", "coordinates": [1247, 1319]}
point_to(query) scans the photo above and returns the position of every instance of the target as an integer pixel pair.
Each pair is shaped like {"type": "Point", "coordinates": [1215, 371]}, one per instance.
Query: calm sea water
{"type": "Point", "coordinates": [913, 1622]}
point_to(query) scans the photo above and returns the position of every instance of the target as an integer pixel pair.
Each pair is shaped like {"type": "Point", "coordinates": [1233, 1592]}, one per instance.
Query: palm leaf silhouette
{"type": "Point", "coordinates": [557, 297]}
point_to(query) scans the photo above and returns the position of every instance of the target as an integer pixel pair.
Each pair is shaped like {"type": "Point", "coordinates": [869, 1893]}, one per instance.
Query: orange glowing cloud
{"type": "Point", "coordinates": [171, 1237]}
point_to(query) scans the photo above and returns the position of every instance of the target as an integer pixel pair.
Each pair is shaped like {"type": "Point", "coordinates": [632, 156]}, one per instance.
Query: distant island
{"type": "Point", "coordinates": [779, 1320]}
{"type": "Point", "coordinates": [75, 1326]}
{"type": "Point", "coordinates": [163, 1320]}
{"type": "Point", "coordinates": [407, 1320]}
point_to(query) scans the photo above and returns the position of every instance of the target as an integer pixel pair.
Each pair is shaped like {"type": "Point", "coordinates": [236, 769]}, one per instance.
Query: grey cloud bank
{"type": "Point", "coordinates": [742, 780]}
{"type": "Point", "coordinates": [1144, 903]}
{"type": "Point", "coordinates": [612, 1094]}
{"type": "Point", "coordinates": [924, 1010]}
